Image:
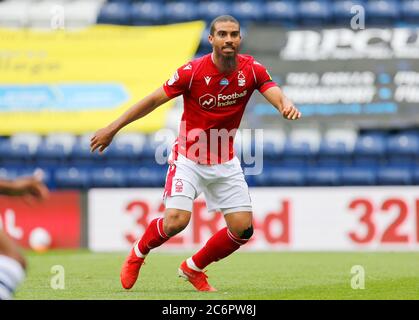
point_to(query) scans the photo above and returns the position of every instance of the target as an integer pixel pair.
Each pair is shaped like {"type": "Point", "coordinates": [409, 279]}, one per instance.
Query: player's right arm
{"type": "Point", "coordinates": [103, 137]}
{"type": "Point", "coordinates": [172, 88]}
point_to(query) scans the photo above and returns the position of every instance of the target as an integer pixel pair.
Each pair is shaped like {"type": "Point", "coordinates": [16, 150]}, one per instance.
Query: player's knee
{"type": "Point", "coordinates": [175, 221]}
{"type": "Point", "coordinates": [243, 232]}
{"type": "Point", "coordinates": [247, 233]}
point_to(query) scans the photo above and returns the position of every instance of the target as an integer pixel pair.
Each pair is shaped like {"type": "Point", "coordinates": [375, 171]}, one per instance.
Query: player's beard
{"type": "Point", "coordinates": [228, 62]}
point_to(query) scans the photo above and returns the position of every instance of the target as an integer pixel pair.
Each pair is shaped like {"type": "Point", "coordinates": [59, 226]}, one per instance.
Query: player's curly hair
{"type": "Point", "coordinates": [223, 18]}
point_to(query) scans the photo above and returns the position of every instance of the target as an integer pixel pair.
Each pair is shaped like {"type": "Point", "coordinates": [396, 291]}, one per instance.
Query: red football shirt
{"type": "Point", "coordinates": [213, 105]}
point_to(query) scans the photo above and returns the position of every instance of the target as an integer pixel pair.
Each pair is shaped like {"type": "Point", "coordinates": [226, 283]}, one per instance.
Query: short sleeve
{"type": "Point", "coordinates": [263, 78]}
{"type": "Point", "coordinates": [179, 82]}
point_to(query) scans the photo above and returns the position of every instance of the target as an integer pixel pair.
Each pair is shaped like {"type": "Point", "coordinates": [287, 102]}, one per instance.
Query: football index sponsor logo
{"type": "Point", "coordinates": [230, 99]}
{"type": "Point", "coordinates": [207, 101]}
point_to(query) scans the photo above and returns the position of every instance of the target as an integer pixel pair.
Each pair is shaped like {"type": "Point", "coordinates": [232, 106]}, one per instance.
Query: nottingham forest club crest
{"type": "Point", "coordinates": [241, 79]}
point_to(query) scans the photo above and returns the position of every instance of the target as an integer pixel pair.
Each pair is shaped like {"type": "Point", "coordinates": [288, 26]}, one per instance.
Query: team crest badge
{"type": "Point", "coordinates": [241, 79]}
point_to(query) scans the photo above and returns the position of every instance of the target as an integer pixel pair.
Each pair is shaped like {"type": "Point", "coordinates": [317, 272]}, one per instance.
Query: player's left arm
{"type": "Point", "coordinates": [285, 106]}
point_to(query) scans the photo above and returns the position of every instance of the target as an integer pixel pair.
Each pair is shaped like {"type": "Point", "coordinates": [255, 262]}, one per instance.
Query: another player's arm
{"type": "Point", "coordinates": [277, 98]}
{"type": "Point", "coordinates": [24, 186]}
{"type": "Point", "coordinates": [103, 137]}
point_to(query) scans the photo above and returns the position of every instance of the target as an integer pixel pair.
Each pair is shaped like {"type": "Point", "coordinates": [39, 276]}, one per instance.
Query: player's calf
{"type": "Point", "coordinates": [175, 221]}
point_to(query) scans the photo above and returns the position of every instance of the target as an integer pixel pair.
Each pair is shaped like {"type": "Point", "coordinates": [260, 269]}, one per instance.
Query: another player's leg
{"type": "Point", "coordinates": [158, 232]}
{"type": "Point", "coordinates": [238, 232]}
{"type": "Point", "coordinates": [12, 267]}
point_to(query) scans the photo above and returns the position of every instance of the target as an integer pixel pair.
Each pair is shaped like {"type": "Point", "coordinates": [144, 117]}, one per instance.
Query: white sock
{"type": "Point", "coordinates": [137, 250]}
{"type": "Point", "coordinates": [192, 265]}
{"type": "Point", "coordinates": [11, 275]}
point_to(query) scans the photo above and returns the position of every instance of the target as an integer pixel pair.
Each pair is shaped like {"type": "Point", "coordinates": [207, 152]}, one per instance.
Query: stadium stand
{"type": "Point", "coordinates": [78, 13]}
{"type": "Point", "coordinates": [303, 157]}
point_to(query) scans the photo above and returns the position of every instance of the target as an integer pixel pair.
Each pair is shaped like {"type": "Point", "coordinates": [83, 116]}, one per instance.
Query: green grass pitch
{"type": "Point", "coordinates": [270, 275]}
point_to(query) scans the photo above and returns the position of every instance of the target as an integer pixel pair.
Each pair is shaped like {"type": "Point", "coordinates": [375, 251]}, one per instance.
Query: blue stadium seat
{"type": "Point", "coordinates": [271, 151]}
{"type": "Point", "coordinates": [382, 12]}
{"type": "Point", "coordinates": [180, 11]}
{"type": "Point", "coordinates": [121, 154]}
{"type": "Point", "coordinates": [342, 11]}
{"type": "Point", "coordinates": [8, 173]}
{"type": "Point", "coordinates": [403, 149]}
{"type": "Point", "coordinates": [314, 12]}
{"type": "Point", "coordinates": [273, 143]}
{"type": "Point", "coordinates": [171, 1]}
{"type": "Point", "coordinates": [279, 176]}
{"type": "Point", "coordinates": [262, 179]}
{"type": "Point", "coordinates": [30, 143]}
{"type": "Point", "coordinates": [410, 11]}
{"type": "Point", "coordinates": [121, 1]}
{"type": "Point", "coordinates": [322, 176]}
{"type": "Point", "coordinates": [14, 154]}
{"type": "Point", "coordinates": [50, 154]}
{"type": "Point", "coordinates": [282, 13]}
{"type": "Point", "coordinates": [359, 176]}
{"type": "Point", "coordinates": [115, 13]}
{"type": "Point", "coordinates": [147, 13]}
{"type": "Point", "coordinates": [107, 177]}
{"type": "Point", "coordinates": [80, 154]}
{"type": "Point", "coordinates": [333, 153]}
{"type": "Point", "coordinates": [296, 153]}
{"type": "Point", "coordinates": [152, 176]}
{"type": "Point", "coordinates": [209, 10]}
{"type": "Point", "coordinates": [248, 11]}
{"type": "Point", "coordinates": [415, 176]}
{"type": "Point", "coordinates": [370, 149]}
{"type": "Point", "coordinates": [73, 177]}
{"type": "Point", "coordinates": [204, 45]}
{"type": "Point", "coordinates": [47, 174]}
{"type": "Point", "coordinates": [394, 176]}
{"type": "Point", "coordinates": [154, 148]}
{"type": "Point", "coordinates": [292, 176]}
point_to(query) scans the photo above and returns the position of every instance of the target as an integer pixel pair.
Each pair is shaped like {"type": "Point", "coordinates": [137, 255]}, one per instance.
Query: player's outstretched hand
{"type": "Point", "coordinates": [101, 139]}
{"type": "Point", "coordinates": [291, 112]}
{"type": "Point", "coordinates": [31, 187]}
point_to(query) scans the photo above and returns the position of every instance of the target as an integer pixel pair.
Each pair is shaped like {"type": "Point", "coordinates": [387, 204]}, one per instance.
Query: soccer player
{"type": "Point", "coordinates": [215, 89]}
{"type": "Point", "coordinates": [12, 262]}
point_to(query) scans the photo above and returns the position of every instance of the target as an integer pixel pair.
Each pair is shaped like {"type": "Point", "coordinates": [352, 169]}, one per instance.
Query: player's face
{"type": "Point", "coordinates": [226, 39]}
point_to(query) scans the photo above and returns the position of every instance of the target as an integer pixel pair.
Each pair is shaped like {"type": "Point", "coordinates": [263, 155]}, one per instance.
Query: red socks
{"type": "Point", "coordinates": [219, 246]}
{"type": "Point", "coordinates": [153, 237]}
